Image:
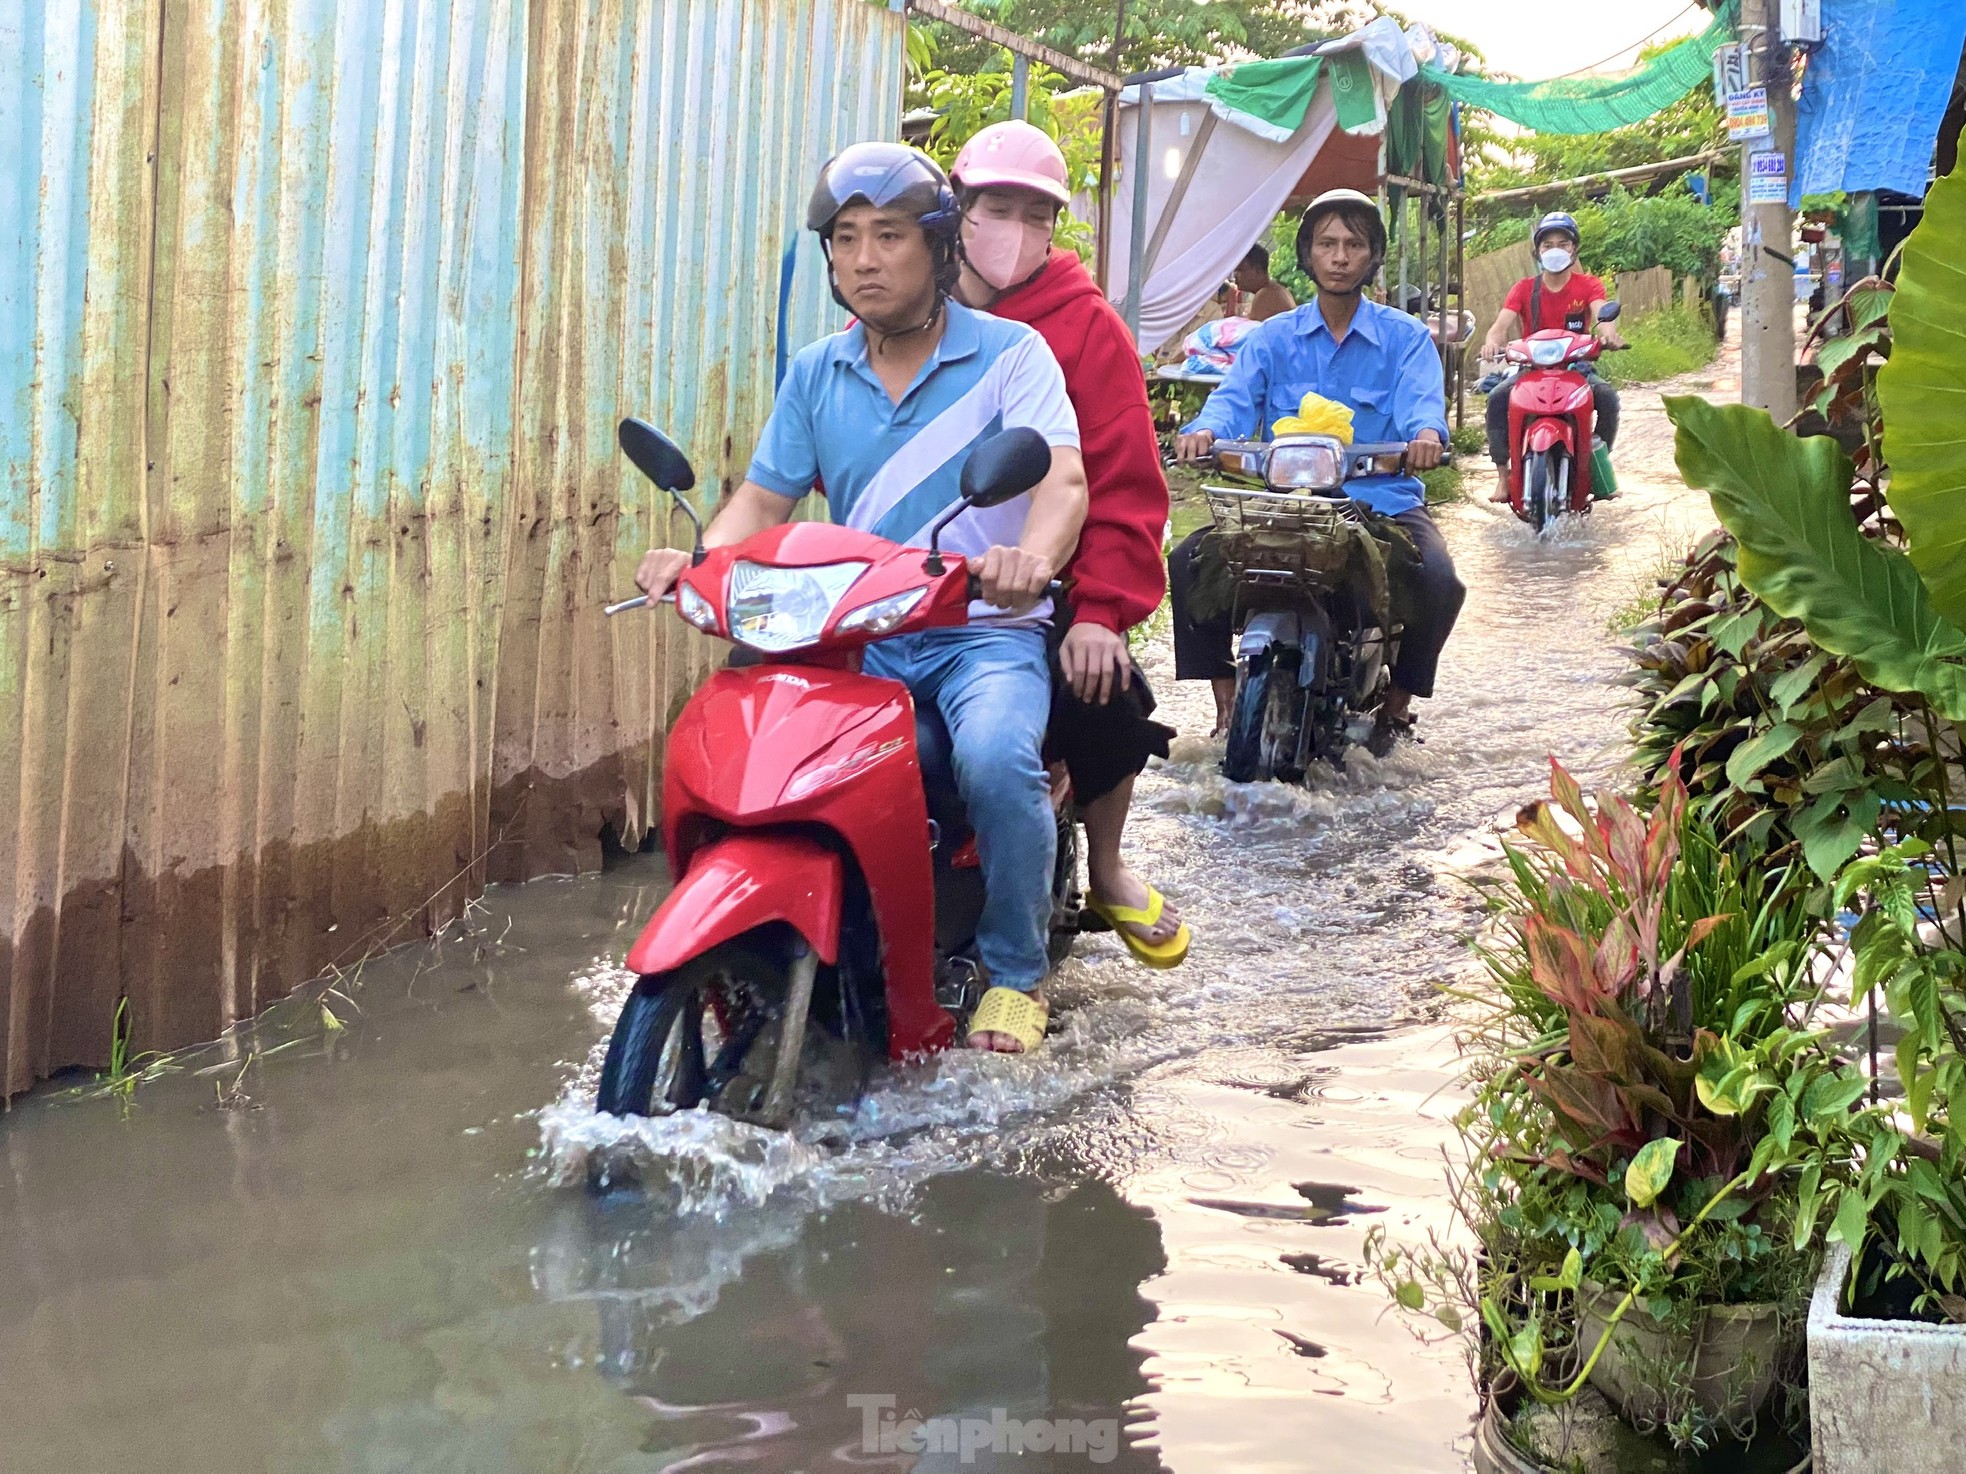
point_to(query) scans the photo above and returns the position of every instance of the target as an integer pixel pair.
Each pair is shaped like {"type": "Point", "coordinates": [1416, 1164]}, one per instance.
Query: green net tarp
{"type": "Point", "coordinates": [1597, 104]}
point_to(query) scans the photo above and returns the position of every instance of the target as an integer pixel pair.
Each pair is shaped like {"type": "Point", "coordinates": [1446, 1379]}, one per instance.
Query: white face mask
{"type": "Point", "coordinates": [1556, 259]}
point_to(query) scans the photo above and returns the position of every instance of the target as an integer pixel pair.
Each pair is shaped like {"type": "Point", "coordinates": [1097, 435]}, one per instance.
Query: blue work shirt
{"type": "Point", "coordinates": [1386, 369]}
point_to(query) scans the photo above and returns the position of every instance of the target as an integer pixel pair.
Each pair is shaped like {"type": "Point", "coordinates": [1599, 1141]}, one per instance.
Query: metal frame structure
{"type": "Point", "coordinates": [1452, 261]}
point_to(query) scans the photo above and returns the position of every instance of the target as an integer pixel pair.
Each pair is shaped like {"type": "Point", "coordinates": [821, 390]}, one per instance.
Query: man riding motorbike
{"type": "Point", "coordinates": [1011, 182]}
{"type": "Point", "coordinates": [1558, 296]}
{"type": "Point", "coordinates": [1383, 365]}
{"type": "Point", "coordinates": [881, 417]}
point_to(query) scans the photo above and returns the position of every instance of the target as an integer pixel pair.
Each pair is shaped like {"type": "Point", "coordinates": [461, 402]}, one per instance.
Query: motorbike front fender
{"type": "Point", "coordinates": [737, 884]}
{"type": "Point", "coordinates": [1545, 434]}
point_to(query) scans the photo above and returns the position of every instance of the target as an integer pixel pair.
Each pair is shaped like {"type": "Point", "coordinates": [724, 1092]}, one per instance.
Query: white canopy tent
{"type": "Point", "coordinates": [1216, 178]}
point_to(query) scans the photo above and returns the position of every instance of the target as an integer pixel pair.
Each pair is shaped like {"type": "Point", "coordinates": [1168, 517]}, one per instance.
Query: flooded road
{"type": "Point", "coordinates": [365, 1247]}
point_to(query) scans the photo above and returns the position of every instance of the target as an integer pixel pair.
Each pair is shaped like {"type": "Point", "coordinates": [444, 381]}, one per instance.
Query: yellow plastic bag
{"type": "Point", "coordinates": [1318, 416]}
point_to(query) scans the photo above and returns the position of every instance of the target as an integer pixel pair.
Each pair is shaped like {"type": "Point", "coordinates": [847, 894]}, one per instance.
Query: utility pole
{"type": "Point", "coordinates": [1768, 230]}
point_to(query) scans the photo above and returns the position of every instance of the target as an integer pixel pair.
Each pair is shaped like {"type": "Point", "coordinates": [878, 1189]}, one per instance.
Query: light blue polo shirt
{"type": "Point", "coordinates": [892, 469]}
{"type": "Point", "coordinates": [1386, 369]}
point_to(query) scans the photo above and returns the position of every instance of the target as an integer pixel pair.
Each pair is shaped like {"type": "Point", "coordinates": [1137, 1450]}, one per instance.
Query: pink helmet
{"type": "Point", "coordinates": [1013, 155]}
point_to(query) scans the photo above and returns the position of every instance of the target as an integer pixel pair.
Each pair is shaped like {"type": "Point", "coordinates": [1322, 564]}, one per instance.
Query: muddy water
{"type": "Point", "coordinates": [365, 1247]}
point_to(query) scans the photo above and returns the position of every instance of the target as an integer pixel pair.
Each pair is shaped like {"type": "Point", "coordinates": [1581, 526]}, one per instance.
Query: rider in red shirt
{"type": "Point", "coordinates": [1012, 182]}
{"type": "Point", "coordinates": [1558, 296]}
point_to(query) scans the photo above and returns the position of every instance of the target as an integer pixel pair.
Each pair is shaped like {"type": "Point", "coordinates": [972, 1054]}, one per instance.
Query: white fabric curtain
{"type": "Point", "coordinates": [1234, 191]}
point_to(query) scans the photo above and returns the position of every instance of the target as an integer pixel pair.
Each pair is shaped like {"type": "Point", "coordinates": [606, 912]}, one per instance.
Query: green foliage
{"type": "Point", "coordinates": [1787, 752]}
{"type": "Point", "coordinates": [1281, 239]}
{"type": "Point", "coordinates": [1911, 1199]}
{"type": "Point", "coordinates": [1664, 344]}
{"type": "Point", "coordinates": [1922, 391]}
{"type": "Point", "coordinates": [1158, 32]}
{"type": "Point", "coordinates": [1628, 232]}
{"type": "Point", "coordinates": [1787, 501]}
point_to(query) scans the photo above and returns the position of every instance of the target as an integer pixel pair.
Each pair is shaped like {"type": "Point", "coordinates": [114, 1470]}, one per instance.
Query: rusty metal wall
{"type": "Point", "coordinates": [315, 320]}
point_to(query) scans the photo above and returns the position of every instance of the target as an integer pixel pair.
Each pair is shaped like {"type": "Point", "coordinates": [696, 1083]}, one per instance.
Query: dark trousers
{"type": "Point", "coordinates": [1603, 396]}
{"type": "Point", "coordinates": [1204, 648]}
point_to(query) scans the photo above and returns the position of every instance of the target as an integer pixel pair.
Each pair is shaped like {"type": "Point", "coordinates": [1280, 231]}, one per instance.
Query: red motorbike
{"type": "Point", "coordinates": [1551, 420]}
{"type": "Point", "coordinates": [820, 920]}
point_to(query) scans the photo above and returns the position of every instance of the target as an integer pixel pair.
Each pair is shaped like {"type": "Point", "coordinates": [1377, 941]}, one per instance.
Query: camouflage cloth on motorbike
{"type": "Point", "coordinates": [1370, 560]}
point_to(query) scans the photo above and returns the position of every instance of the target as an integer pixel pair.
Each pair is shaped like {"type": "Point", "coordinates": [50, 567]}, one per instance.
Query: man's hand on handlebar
{"type": "Point", "coordinates": [1011, 578]}
{"type": "Point", "coordinates": [1424, 453]}
{"type": "Point", "coordinates": [1096, 663]}
{"type": "Point", "coordinates": [1194, 447]}
{"type": "Point", "coordinates": [659, 570]}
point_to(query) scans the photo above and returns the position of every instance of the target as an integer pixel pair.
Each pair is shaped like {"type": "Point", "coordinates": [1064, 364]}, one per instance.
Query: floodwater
{"type": "Point", "coordinates": [365, 1245]}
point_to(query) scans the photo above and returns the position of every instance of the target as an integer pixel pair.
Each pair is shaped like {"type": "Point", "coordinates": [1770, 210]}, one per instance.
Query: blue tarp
{"type": "Point", "coordinates": [1874, 95]}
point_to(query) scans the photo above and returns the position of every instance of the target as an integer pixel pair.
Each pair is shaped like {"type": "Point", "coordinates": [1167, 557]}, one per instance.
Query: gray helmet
{"type": "Point", "coordinates": [888, 175]}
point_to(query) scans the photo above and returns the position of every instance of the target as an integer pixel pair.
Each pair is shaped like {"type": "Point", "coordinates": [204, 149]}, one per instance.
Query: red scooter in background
{"type": "Point", "coordinates": [1551, 420]}
{"type": "Point", "coordinates": [820, 920]}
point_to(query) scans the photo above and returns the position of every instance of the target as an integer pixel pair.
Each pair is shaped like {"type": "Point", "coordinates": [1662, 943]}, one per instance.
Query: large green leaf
{"type": "Point", "coordinates": [1922, 392]}
{"type": "Point", "coordinates": [1786, 500]}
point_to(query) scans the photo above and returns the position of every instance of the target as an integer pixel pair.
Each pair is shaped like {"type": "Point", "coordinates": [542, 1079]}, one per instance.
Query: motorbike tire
{"type": "Point", "coordinates": [659, 1059]}
{"type": "Point", "coordinates": [1242, 754]}
{"type": "Point", "coordinates": [1066, 898]}
{"type": "Point", "coordinates": [1546, 489]}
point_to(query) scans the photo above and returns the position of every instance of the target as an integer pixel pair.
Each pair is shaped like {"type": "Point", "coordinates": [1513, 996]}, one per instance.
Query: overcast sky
{"type": "Point", "coordinates": [1535, 39]}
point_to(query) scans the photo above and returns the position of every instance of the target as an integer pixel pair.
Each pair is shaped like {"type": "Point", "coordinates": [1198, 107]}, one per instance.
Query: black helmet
{"type": "Point", "coordinates": [1557, 222]}
{"type": "Point", "coordinates": [1361, 208]}
{"type": "Point", "coordinates": [889, 175]}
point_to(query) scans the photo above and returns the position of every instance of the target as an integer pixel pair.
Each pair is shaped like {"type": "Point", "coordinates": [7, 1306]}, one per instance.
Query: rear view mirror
{"type": "Point", "coordinates": [660, 459]}
{"type": "Point", "coordinates": [1609, 312]}
{"type": "Point", "coordinates": [1005, 466]}
{"type": "Point", "coordinates": [655, 455]}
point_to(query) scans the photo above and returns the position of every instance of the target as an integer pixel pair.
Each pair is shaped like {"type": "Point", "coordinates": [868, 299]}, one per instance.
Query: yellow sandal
{"type": "Point", "coordinates": [1170, 953]}
{"type": "Point", "coordinates": [1007, 1011]}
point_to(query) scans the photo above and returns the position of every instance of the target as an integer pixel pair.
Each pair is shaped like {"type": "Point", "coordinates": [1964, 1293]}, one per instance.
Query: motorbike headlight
{"type": "Point", "coordinates": [784, 608]}
{"type": "Point", "coordinates": [882, 615]}
{"type": "Point", "coordinates": [1549, 352]}
{"type": "Point", "coordinates": [698, 610]}
{"type": "Point", "coordinates": [1306, 465]}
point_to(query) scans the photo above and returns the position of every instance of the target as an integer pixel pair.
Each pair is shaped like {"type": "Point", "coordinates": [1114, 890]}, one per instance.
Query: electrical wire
{"type": "Point", "coordinates": [1691, 5]}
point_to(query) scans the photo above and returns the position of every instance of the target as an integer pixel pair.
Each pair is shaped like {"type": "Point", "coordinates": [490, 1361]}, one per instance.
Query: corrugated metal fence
{"type": "Point", "coordinates": [315, 322]}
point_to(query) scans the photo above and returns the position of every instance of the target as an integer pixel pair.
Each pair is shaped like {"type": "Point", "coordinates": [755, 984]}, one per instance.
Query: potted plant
{"type": "Point", "coordinates": [1655, 1130]}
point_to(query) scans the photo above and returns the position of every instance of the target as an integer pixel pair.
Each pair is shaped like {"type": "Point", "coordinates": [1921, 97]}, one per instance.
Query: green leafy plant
{"type": "Point", "coordinates": [1657, 1115]}
{"type": "Point", "coordinates": [1911, 1200]}
{"type": "Point", "coordinates": [1785, 749]}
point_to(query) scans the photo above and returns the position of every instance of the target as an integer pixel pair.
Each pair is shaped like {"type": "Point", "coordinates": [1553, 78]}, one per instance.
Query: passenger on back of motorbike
{"type": "Point", "coordinates": [1383, 365]}
{"type": "Point", "coordinates": [881, 417]}
{"type": "Point", "coordinates": [1558, 296]}
{"type": "Point", "coordinates": [1012, 182]}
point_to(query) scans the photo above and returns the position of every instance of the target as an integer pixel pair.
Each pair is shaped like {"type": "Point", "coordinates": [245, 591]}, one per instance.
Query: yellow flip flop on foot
{"type": "Point", "coordinates": [1170, 953]}
{"type": "Point", "coordinates": [1007, 1011]}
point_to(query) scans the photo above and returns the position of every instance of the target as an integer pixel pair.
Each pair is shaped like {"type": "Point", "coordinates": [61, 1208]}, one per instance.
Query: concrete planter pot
{"type": "Point", "coordinates": [1885, 1396]}
{"type": "Point", "coordinates": [1730, 1359]}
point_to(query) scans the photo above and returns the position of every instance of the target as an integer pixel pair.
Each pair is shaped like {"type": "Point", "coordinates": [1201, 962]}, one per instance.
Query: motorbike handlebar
{"type": "Point", "coordinates": [1051, 590]}
{"type": "Point", "coordinates": [640, 601]}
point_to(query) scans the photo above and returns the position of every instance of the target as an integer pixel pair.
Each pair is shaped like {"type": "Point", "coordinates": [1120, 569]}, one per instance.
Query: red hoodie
{"type": "Point", "coordinates": [1118, 569]}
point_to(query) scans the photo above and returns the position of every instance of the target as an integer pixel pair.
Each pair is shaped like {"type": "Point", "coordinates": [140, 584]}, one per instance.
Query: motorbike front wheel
{"type": "Point", "coordinates": [1265, 723]}
{"type": "Point", "coordinates": [727, 1030]}
{"type": "Point", "coordinates": [1546, 488]}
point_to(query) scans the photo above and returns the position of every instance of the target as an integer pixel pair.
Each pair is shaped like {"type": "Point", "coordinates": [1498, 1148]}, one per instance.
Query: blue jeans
{"type": "Point", "coordinates": [992, 688]}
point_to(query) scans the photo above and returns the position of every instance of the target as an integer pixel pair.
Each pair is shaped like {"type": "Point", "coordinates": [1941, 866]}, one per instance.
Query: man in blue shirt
{"type": "Point", "coordinates": [882, 417]}
{"type": "Point", "coordinates": [1384, 366]}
